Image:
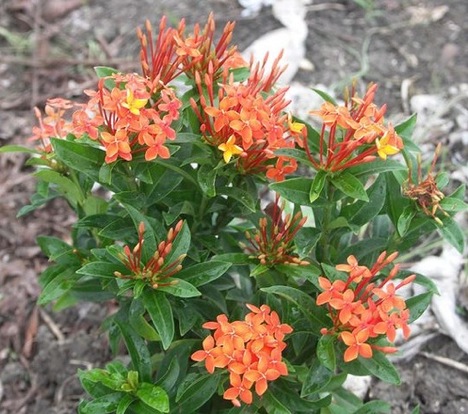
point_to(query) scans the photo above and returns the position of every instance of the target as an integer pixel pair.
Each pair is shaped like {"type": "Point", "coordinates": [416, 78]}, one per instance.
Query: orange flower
{"type": "Point", "coordinates": [361, 308]}
{"type": "Point", "coordinates": [116, 145]}
{"type": "Point", "coordinates": [352, 134]}
{"type": "Point", "coordinates": [357, 345]}
{"type": "Point", "coordinates": [250, 350]}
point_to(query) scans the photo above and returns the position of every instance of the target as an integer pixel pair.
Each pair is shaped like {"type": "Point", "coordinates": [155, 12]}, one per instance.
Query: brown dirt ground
{"type": "Point", "coordinates": [48, 48]}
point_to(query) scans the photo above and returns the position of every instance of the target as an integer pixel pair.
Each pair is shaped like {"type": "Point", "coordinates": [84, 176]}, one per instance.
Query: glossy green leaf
{"type": "Point", "coordinates": [195, 392]}
{"type": "Point", "coordinates": [160, 312]}
{"type": "Point", "coordinates": [326, 351]}
{"type": "Point", "coordinates": [180, 245]}
{"type": "Point", "coordinates": [375, 407]}
{"type": "Point", "coordinates": [203, 273]}
{"type": "Point", "coordinates": [303, 301]}
{"type": "Point", "coordinates": [381, 367]}
{"type": "Point", "coordinates": [206, 177]}
{"type": "Point", "coordinates": [317, 185]}
{"type": "Point", "coordinates": [79, 156]}
{"type": "Point", "coordinates": [418, 304]}
{"type": "Point", "coordinates": [296, 190]}
{"type": "Point", "coordinates": [136, 346]}
{"type": "Point", "coordinates": [317, 378]}
{"type": "Point", "coordinates": [451, 231]}
{"type": "Point", "coordinates": [103, 270]}
{"type": "Point", "coordinates": [404, 221]}
{"type": "Point", "coordinates": [240, 195]}
{"type": "Point", "coordinates": [376, 167]}
{"type": "Point", "coordinates": [350, 186]}
{"type": "Point", "coordinates": [60, 280]}
{"type": "Point", "coordinates": [153, 396]}
{"type": "Point", "coordinates": [101, 405]}
{"type": "Point", "coordinates": [325, 96]}
{"type": "Point", "coordinates": [124, 403]}
{"type": "Point", "coordinates": [180, 288]}
{"type": "Point", "coordinates": [65, 186]}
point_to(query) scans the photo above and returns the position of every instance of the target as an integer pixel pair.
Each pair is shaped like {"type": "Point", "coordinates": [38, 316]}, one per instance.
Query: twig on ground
{"type": "Point", "coordinates": [446, 361]}
{"type": "Point", "coordinates": [52, 326]}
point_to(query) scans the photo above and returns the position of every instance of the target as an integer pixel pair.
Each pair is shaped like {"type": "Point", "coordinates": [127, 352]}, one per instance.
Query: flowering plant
{"type": "Point", "coordinates": [198, 194]}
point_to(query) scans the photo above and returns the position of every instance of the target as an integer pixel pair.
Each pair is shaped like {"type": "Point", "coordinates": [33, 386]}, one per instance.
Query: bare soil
{"type": "Point", "coordinates": [48, 48]}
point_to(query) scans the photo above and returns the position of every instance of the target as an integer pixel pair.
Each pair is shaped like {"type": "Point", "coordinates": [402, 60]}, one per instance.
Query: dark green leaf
{"type": "Point", "coordinates": [350, 186]}
{"type": "Point", "coordinates": [180, 245]}
{"type": "Point", "coordinates": [404, 221]}
{"type": "Point", "coordinates": [317, 185]}
{"type": "Point", "coordinates": [136, 347]}
{"type": "Point", "coordinates": [303, 301]}
{"type": "Point", "coordinates": [104, 270]}
{"type": "Point", "coordinates": [206, 179]}
{"type": "Point", "coordinates": [180, 288]}
{"type": "Point", "coordinates": [79, 156]}
{"type": "Point", "coordinates": [160, 312]}
{"type": "Point", "coordinates": [418, 304]}
{"type": "Point", "coordinates": [124, 403]}
{"type": "Point", "coordinates": [374, 407]}
{"type": "Point", "coordinates": [326, 351]}
{"type": "Point", "coordinates": [325, 96]}
{"type": "Point", "coordinates": [238, 194]}
{"type": "Point", "coordinates": [106, 404]}
{"type": "Point", "coordinates": [381, 367]}
{"type": "Point", "coordinates": [317, 378]}
{"type": "Point", "coordinates": [450, 231]}
{"type": "Point", "coordinates": [195, 392]}
{"type": "Point", "coordinates": [296, 190]}
{"type": "Point", "coordinates": [376, 167]}
{"type": "Point", "coordinates": [203, 273]}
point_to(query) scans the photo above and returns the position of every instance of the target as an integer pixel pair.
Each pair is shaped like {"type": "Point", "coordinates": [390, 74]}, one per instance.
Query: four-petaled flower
{"type": "Point", "coordinates": [250, 350]}
{"type": "Point", "coordinates": [230, 148]}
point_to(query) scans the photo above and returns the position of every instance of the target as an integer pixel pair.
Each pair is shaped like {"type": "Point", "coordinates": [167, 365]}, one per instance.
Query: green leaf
{"type": "Point", "coordinates": [180, 288]}
{"type": "Point", "coordinates": [317, 378]}
{"type": "Point", "coordinates": [273, 405]}
{"type": "Point", "coordinates": [79, 156]}
{"type": "Point", "coordinates": [160, 312]}
{"type": "Point", "coordinates": [404, 221]}
{"type": "Point", "coordinates": [153, 396]}
{"type": "Point", "coordinates": [240, 195]}
{"type": "Point", "coordinates": [296, 190]}
{"type": "Point", "coordinates": [106, 404]}
{"type": "Point", "coordinates": [60, 280]}
{"type": "Point", "coordinates": [103, 270]}
{"type": "Point", "coordinates": [418, 304]}
{"type": "Point", "coordinates": [168, 378]}
{"type": "Point", "coordinates": [306, 239]}
{"type": "Point", "coordinates": [374, 407]}
{"type": "Point", "coordinates": [65, 186]}
{"type": "Point", "coordinates": [203, 273]}
{"type": "Point", "coordinates": [453, 204]}
{"type": "Point", "coordinates": [362, 212]}
{"type": "Point", "coordinates": [136, 346]}
{"type": "Point", "coordinates": [381, 367]}
{"type": "Point", "coordinates": [17, 148]}
{"type": "Point", "coordinates": [303, 301]}
{"type": "Point", "coordinates": [317, 185]}
{"type": "Point", "coordinates": [136, 317]}
{"type": "Point", "coordinates": [124, 403]}
{"type": "Point", "coordinates": [297, 154]}
{"type": "Point", "coordinates": [450, 231]}
{"type": "Point", "coordinates": [325, 96]}
{"type": "Point", "coordinates": [206, 177]}
{"type": "Point", "coordinates": [234, 258]}
{"type": "Point", "coordinates": [195, 392]}
{"type": "Point", "coordinates": [57, 250]}
{"type": "Point", "coordinates": [326, 351]}
{"type": "Point", "coordinates": [350, 186]}
{"type": "Point", "coordinates": [405, 129]}
{"type": "Point", "coordinates": [376, 167]}
{"type": "Point", "coordinates": [104, 71]}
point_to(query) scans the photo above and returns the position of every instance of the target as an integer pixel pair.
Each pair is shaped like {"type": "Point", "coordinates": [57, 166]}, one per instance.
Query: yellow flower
{"type": "Point", "coordinates": [132, 104]}
{"type": "Point", "coordinates": [295, 127]}
{"type": "Point", "coordinates": [385, 147]}
{"type": "Point", "coordinates": [229, 149]}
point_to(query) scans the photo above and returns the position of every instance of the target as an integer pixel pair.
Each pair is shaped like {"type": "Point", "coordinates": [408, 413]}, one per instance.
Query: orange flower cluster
{"type": "Point", "coordinates": [240, 119]}
{"type": "Point", "coordinates": [155, 271]}
{"type": "Point", "coordinates": [353, 134]}
{"type": "Point", "coordinates": [251, 351]}
{"type": "Point", "coordinates": [425, 192]}
{"type": "Point", "coordinates": [363, 308]}
{"type": "Point", "coordinates": [53, 124]}
{"type": "Point", "coordinates": [273, 242]}
{"type": "Point", "coordinates": [134, 115]}
{"type": "Point", "coordinates": [173, 52]}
